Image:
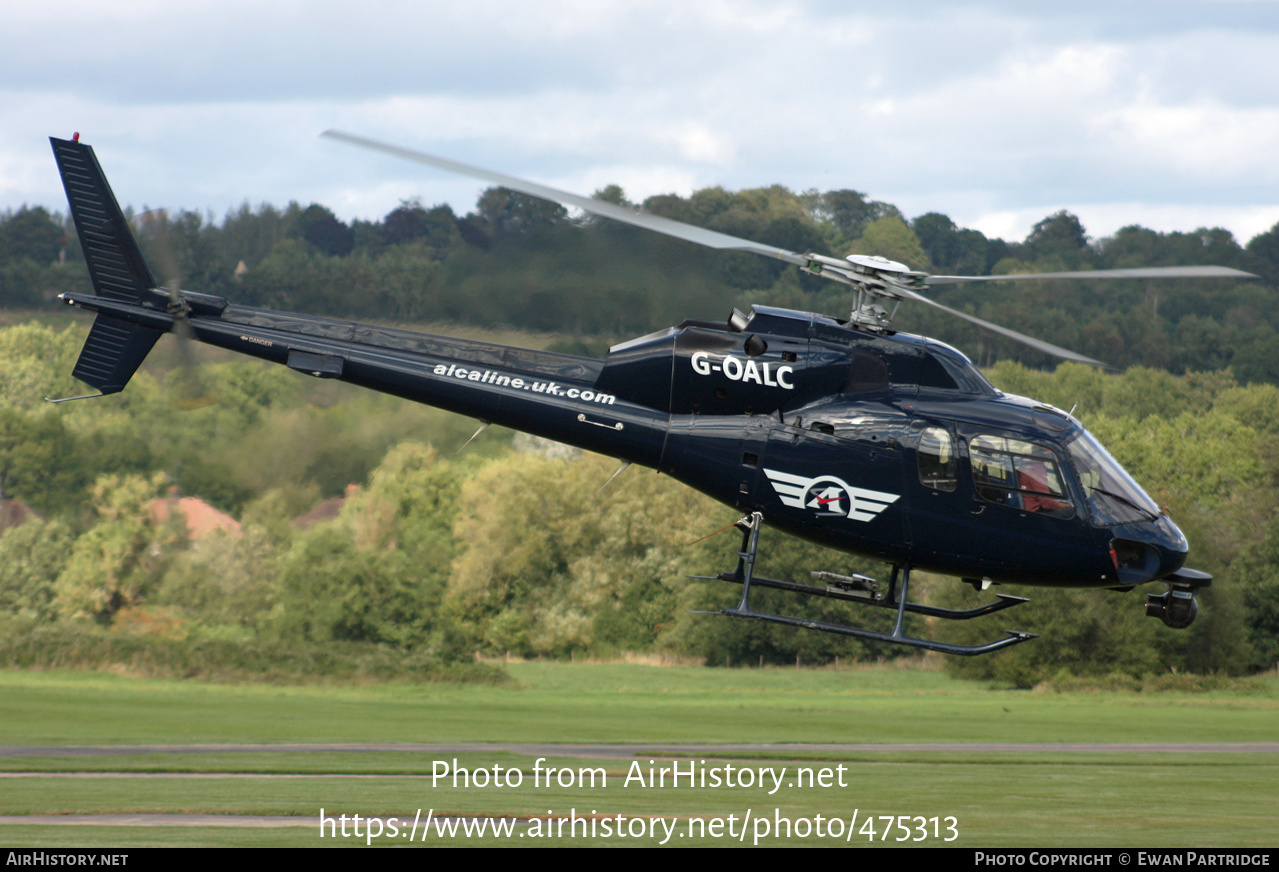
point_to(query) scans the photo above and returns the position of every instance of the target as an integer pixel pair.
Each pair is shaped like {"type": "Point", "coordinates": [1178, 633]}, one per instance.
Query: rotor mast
{"type": "Point", "coordinates": [872, 278]}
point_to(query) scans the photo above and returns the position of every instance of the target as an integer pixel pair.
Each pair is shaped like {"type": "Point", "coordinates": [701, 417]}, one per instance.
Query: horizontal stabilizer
{"type": "Point", "coordinates": [113, 352]}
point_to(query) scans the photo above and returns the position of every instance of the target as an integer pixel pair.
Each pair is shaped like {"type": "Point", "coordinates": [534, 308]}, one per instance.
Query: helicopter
{"type": "Point", "coordinates": [844, 432]}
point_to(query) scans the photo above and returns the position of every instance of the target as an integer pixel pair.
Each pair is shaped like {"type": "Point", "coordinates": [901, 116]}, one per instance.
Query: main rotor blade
{"type": "Point", "coordinates": [667, 226]}
{"type": "Point", "coordinates": [1037, 344]}
{"type": "Point", "coordinates": [1153, 272]}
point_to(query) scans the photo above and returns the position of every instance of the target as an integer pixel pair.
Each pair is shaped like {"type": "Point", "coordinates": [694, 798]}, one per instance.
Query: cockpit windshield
{"type": "Point", "coordinates": [1112, 494]}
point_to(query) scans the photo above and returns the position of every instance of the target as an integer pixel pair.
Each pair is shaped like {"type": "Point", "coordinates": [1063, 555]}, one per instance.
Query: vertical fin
{"type": "Point", "coordinates": [115, 348]}
{"type": "Point", "coordinates": [116, 266]}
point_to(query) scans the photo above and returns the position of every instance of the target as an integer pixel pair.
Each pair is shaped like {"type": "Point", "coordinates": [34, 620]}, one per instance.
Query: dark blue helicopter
{"type": "Point", "coordinates": [843, 432]}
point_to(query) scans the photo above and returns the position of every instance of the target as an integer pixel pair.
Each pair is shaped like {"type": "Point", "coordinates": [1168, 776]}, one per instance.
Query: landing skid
{"type": "Point", "coordinates": [857, 589]}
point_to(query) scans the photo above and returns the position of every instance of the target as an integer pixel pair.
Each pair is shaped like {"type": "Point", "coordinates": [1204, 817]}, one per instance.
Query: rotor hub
{"type": "Point", "coordinates": [872, 264]}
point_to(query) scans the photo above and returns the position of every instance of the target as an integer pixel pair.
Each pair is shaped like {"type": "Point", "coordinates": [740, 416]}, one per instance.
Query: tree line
{"type": "Point", "coordinates": [523, 262]}
{"type": "Point", "coordinates": [499, 550]}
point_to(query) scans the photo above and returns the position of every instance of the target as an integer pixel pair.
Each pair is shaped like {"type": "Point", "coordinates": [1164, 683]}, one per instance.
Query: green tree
{"type": "Point", "coordinates": [536, 574]}
{"type": "Point", "coordinates": [952, 249]}
{"type": "Point", "coordinates": [1258, 361]}
{"type": "Point", "coordinates": [31, 558]}
{"type": "Point", "coordinates": [118, 561]}
{"type": "Point", "coordinates": [332, 590]}
{"type": "Point", "coordinates": [435, 228]}
{"type": "Point", "coordinates": [503, 211]}
{"type": "Point", "coordinates": [1264, 251]}
{"type": "Point", "coordinates": [39, 463]}
{"type": "Point", "coordinates": [612, 194]}
{"type": "Point", "coordinates": [1081, 633]}
{"type": "Point", "coordinates": [223, 580]}
{"type": "Point", "coordinates": [1258, 571]}
{"type": "Point", "coordinates": [890, 237]}
{"type": "Point", "coordinates": [1256, 406]}
{"type": "Point", "coordinates": [1059, 238]}
{"type": "Point", "coordinates": [30, 233]}
{"type": "Point", "coordinates": [849, 211]}
{"type": "Point", "coordinates": [378, 572]}
{"type": "Point", "coordinates": [322, 229]}
{"type": "Point", "coordinates": [36, 362]}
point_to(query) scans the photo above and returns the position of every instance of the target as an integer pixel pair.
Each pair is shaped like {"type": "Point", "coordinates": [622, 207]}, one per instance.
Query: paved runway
{"type": "Point", "coordinates": [666, 750]}
{"type": "Point", "coordinates": [758, 752]}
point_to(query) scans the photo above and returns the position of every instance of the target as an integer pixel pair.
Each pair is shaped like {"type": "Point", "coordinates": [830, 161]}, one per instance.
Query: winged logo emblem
{"type": "Point", "coordinates": [829, 496]}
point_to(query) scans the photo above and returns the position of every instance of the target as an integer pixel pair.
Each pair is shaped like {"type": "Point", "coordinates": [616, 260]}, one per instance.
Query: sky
{"type": "Point", "coordinates": [1163, 113]}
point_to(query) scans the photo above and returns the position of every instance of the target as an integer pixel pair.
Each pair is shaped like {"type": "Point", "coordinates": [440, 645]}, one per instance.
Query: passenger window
{"type": "Point", "coordinates": [936, 457]}
{"type": "Point", "coordinates": [1019, 474]}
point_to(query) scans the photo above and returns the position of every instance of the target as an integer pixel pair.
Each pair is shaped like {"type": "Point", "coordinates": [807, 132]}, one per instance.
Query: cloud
{"type": "Point", "coordinates": [979, 110]}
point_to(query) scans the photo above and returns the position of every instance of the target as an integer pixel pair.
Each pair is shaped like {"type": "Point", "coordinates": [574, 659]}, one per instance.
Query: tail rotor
{"type": "Point", "coordinates": [159, 232]}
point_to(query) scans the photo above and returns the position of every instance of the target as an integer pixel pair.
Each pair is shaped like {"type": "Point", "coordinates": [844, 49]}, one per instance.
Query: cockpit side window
{"type": "Point", "coordinates": [1024, 475]}
{"type": "Point", "coordinates": [936, 458]}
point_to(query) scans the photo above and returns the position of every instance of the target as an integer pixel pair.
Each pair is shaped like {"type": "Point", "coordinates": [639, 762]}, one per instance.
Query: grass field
{"type": "Point", "coordinates": [1034, 799]}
